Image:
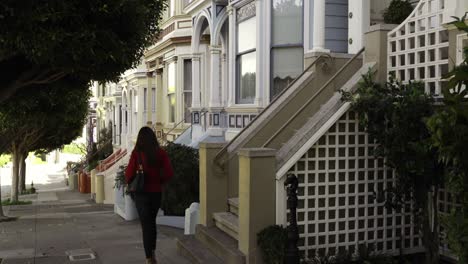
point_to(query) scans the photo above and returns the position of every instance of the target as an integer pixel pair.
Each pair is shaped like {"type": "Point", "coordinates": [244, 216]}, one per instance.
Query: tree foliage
{"type": "Point", "coordinates": [425, 144]}
{"type": "Point", "coordinates": [449, 130]}
{"type": "Point", "coordinates": [38, 119]}
{"type": "Point", "coordinates": [394, 115]}
{"type": "Point", "coordinates": [42, 41]}
{"type": "Point", "coordinates": [397, 11]}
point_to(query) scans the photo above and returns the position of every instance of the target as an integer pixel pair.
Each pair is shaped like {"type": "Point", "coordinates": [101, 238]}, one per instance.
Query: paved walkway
{"type": "Point", "coordinates": [62, 226]}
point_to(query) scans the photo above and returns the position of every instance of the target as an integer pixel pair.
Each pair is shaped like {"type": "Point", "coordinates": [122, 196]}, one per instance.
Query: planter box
{"type": "Point", "coordinates": [124, 205]}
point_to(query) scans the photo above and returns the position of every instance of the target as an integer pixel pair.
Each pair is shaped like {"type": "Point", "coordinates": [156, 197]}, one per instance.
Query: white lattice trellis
{"type": "Point", "coordinates": [418, 49]}
{"type": "Point", "coordinates": [337, 210]}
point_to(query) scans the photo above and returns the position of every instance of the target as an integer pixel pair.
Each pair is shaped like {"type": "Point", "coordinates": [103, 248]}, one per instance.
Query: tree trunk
{"type": "Point", "coordinates": [15, 173]}
{"type": "Point", "coordinates": [2, 215]}
{"type": "Point", "coordinates": [22, 184]}
{"type": "Point", "coordinates": [430, 228]}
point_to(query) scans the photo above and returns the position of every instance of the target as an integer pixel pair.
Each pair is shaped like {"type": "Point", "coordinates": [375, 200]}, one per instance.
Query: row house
{"type": "Point", "coordinates": [217, 64]}
{"type": "Point", "coordinates": [254, 85]}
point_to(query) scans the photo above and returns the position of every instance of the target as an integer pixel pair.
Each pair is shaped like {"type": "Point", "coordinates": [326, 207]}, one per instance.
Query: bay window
{"type": "Point", "coordinates": [171, 91]}
{"type": "Point", "coordinates": [287, 51]}
{"type": "Point", "coordinates": [246, 61]}
{"type": "Point", "coordinates": [187, 90]}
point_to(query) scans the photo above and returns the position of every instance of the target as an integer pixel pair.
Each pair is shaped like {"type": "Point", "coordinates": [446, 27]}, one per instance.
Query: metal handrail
{"type": "Point", "coordinates": [175, 126]}
{"type": "Point", "coordinates": [224, 149]}
{"type": "Point", "coordinates": [164, 136]}
{"type": "Point", "coordinates": [312, 98]}
{"type": "Point", "coordinates": [88, 156]}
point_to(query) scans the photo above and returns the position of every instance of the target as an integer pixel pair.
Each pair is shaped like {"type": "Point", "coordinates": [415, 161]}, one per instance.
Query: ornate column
{"type": "Point", "coordinates": [319, 27]}
{"type": "Point", "coordinates": [149, 114]}
{"type": "Point", "coordinates": [224, 77]}
{"type": "Point", "coordinates": [260, 52]}
{"type": "Point", "coordinates": [196, 81]}
{"type": "Point", "coordinates": [196, 103]}
{"type": "Point", "coordinates": [215, 107]}
{"type": "Point", "coordinates": [215, 52]}
{"type": "Point", "coordinates": [159, 93]}
{"type": "Point", "coordinates": [231, 96]}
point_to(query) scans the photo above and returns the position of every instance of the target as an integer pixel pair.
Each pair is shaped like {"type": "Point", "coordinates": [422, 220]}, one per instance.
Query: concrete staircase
{"type": "Point", "coordinates": [216, 244]}
{"type": "Point", "coordinates": [291, 115]}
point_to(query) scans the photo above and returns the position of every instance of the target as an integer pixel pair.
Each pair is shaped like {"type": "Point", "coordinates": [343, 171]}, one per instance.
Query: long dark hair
{"type": "Point", "coordinates": [148, 144]}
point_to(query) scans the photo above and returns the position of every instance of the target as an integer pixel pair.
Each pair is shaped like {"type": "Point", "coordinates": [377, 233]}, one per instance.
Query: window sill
{"type": "Point", "coordinates": [244, 108]}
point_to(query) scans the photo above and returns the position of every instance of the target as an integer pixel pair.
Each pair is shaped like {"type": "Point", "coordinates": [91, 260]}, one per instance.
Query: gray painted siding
{"type": "Point", "coordinates": [336, 25]}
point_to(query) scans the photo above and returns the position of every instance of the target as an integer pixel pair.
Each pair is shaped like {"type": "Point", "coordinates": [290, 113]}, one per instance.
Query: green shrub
{"type": "Point", "coordinates": [363, 255]}
{"type": "Point", "coordinates": [182, 189]}
{"type": "Point", "coordinates": [397, 11]}
{"type": "Point", "coordinates": [272, 242]}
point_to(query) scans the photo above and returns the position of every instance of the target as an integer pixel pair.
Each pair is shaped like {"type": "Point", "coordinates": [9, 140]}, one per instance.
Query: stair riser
{"type": "Point", "coordinates": [225, 228]}
{"type": "Point", "coordinates": [181, 250]}
{"type": "Point", "coordinates": [219, 249]}
{"type": "Point", "coordinates": [233, 209]}
{"type": "Point", "coordinates": [195, 252]}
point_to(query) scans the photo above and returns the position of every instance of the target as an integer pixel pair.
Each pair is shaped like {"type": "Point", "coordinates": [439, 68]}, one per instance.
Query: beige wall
{"type": "Point", "coordinates": [257, 198]}
{"type": "Point", "coordinates": [213, 184]}
{"type": "Point", "coordinates": [376, 49]}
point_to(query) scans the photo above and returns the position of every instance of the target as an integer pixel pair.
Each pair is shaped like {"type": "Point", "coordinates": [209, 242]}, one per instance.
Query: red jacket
{"type": "Point", "coordinates": [153, 178]}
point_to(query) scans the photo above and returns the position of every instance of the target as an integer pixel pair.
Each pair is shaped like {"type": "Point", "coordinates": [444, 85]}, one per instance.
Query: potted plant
{"type": "Point", "coordinates": [124, 204]}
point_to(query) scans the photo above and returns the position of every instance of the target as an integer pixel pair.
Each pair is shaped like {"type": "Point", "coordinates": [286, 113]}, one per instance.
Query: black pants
{"type": "Point", "coordinates": [147, 205]}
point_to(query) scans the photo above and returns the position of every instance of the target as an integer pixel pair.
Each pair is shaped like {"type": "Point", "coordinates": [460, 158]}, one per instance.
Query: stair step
{"type": "Point", "coordinates": [227, 222]}
{"type": "Point", "coordinates": [195, 251]}
{"type": "Point", "coordinates": [221, 244]}
{"type": "Point", "coordinates": [234, 205]}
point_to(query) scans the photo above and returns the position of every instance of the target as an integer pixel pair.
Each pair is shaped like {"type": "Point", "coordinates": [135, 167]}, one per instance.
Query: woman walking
{"type": "Point", "coordinates": [157, 171]}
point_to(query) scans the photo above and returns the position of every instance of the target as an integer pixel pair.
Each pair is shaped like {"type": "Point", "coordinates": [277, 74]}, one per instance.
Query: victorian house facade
{"type": "Point", "coordinates": [255, 86]}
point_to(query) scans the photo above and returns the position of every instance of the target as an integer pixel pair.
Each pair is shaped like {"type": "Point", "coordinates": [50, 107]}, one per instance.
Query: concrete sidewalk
{"type": "Point", "coordinates": [66, 227]}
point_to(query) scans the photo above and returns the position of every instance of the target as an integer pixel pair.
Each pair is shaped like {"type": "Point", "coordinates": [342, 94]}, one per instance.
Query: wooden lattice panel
{"type": "Point", "coordinates": [339, 177]}
{"type": "Point", "coordinates": [418, 49]}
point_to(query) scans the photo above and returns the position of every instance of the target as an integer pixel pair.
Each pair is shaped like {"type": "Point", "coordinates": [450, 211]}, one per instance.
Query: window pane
{"type": "Point", "coordinates": [187, 75]}
{"type": "Point", "coordinates": [246, 35]}
{"type": "Point", "coordinates": [172, 102]}
{"type": "Point", "coordinates": [246, 80]}
{"type": "Point", "coordinates": [153, 99]}
{"type": "Point", "coordinates": [136, 102]}
{"type": "Point", "coordinates": [145, 97]}
{"type": "Point", "coordinates": [171, 78]}
{"type": "Point", "coordinates": [287, 65]}
{"type": "Point", "coordinates": [187, 105]}
{"type": "Point", "coordinates": [287, 22]}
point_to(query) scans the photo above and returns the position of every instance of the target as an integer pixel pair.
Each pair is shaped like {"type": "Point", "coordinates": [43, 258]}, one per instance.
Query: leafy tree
{"type": "Point", "coordinates": [394, 115]}
{"type": "Point", "coordinates": [43, 120]}
{"type": "Point", "coordinates": [43, 41]}
{"type": "Point", "coordinates": [397, 11]}
{"type": "Point", "coordinates": [449, 129]}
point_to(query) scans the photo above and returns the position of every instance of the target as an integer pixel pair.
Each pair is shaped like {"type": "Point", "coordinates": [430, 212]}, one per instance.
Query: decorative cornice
{"type": "Point", "coordinates": [247, 11]}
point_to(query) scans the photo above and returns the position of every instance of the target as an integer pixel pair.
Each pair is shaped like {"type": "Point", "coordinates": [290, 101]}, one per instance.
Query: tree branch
{"type": "Point", "coordinates": [34, 76]}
